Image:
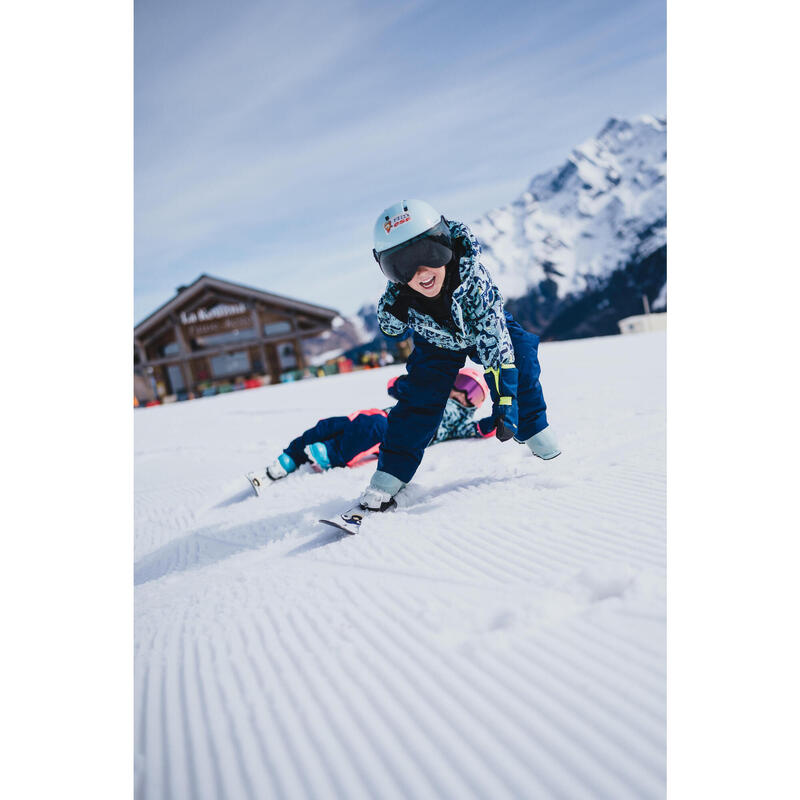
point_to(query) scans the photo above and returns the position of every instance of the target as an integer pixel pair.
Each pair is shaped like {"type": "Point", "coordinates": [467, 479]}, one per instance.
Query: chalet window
{"type": "Point", "coordinates": [227, 337]}
{"type": "Point", "coordinates": [230, 364]}
{"type": "Point", "coordinates": [171, 349]}
{"type": "Point", "coordinates": [287, 356]}
{"type": "Point", "coordinates": [176, 382]}
{"type": "Point", "coordinates": [274, 328]}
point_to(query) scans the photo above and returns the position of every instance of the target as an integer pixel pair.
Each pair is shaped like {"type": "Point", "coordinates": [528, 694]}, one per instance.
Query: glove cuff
{"type": "Point", "coordinates": [479, 428]}
{"type": "Point", "coordinates": [502, 383]}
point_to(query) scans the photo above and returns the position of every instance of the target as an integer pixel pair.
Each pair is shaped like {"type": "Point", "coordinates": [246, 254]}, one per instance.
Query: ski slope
{"type": "Point", "coordinates": [502, 635]}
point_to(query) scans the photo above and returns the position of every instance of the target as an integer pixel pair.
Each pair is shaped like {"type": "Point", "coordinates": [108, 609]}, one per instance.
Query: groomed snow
{"type": "Point", "coordinates": [502, 635]}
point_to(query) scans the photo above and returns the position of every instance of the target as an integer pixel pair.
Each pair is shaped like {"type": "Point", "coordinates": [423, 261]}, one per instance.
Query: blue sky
{"type": "Point", "coordinates": [268, 137]}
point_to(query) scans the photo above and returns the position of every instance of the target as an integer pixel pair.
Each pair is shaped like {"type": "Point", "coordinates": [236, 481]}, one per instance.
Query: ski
{"type": "Point", "coordinates": [256, 482]}
{"type": "Point", "coordinates": [350, 521]}
{"type": "Point", "coordinates": [348, 526]}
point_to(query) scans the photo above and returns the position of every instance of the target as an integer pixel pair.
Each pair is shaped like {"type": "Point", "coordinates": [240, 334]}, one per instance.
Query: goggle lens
{"type": "Point", "coordinates": [430, 249]}
{"type": "Point", "coordinates": [471, 389]}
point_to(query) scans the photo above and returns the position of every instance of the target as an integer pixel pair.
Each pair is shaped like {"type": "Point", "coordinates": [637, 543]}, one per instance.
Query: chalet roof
{"type": "Point", "coordinates": [186, 294]}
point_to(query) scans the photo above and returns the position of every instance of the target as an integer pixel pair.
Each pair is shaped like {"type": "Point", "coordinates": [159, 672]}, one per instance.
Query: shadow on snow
{"type": "Point", "coordinates": [215, 543]}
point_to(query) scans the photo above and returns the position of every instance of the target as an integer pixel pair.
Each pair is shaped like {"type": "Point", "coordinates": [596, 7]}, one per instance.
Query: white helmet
{"type": "Point", "coordinates": [409, 234]}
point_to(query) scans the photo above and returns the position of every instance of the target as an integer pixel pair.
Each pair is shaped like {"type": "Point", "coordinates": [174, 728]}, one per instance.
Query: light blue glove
{"type": "Point", "coordinates": [544, 444]}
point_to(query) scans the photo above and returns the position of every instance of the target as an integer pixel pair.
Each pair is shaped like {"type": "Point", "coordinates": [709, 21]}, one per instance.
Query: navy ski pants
{"type": "Point", "coordinates": [344, 438]}
{"type": "Point", "coordinates": [432, 370]}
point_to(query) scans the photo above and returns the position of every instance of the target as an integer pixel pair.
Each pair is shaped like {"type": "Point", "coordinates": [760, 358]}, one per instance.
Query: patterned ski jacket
{"type": "Point", "coordinates": [476, 310]}
{"type": "Point", "coordinates": [457, 423]}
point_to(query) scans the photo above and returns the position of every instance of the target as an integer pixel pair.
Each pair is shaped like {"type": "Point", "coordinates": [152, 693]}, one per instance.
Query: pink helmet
{"type": "Point", "coordinates": [470, 381]}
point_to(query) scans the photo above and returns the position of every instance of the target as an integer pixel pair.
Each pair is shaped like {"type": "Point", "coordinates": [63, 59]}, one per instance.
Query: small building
{"type": "Point", "coordinates": [643, 322]}
{"type": "Point", "coordinates": [215, 330]}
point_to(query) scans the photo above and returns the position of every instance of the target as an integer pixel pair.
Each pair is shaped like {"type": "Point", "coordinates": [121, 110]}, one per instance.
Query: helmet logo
{"type": "Point", "coordinates": [396, 222]}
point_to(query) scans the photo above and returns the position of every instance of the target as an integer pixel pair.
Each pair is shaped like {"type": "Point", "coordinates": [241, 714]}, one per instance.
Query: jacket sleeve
{"type": "Point", "coordinates": [400, 387]}
{"type": "Point", "coordinates": [485, 304]}
{"type": "Point", "coordinates": [414, 421]}
{"type": "Point", "coordinates": [392, 312]}
{"type": "Point", "coordinates": [457, 423]}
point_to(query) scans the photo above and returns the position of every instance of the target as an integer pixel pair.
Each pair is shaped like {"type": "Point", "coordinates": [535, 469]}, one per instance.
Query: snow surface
{"type": "Point", "coordinates": [502, 635]}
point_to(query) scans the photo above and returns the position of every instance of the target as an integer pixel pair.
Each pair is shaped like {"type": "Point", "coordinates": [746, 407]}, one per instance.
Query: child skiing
{"type": "Point", "coordinates": [347, 441]}
{"type": "Point", "coordinates": [439, 289]}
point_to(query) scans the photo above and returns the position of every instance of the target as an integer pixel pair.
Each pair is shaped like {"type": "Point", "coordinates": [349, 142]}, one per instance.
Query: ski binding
{"type": "Point", "coordinates": [350, 521]}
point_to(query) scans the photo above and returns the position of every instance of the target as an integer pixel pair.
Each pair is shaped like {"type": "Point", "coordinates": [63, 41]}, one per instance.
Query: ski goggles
{"type": "Point", "coordinates": [471, 388]}
{"type": "Point", "coordinates": [433, 248]}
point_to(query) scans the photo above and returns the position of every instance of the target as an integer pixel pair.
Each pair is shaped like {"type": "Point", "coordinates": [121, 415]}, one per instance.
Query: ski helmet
{"type": "Point", "coordinates": [470, 381]}
{"type": "Point", "coordinates": [408, 235]}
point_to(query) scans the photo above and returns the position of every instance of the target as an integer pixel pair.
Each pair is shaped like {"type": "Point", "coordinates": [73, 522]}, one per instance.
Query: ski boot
{"type": "Point", "coordinates": [278, 469]}
{"type": "Point", "coordinates": [372, 501]}
{"type": "Point", "coordinates": [318, 455]}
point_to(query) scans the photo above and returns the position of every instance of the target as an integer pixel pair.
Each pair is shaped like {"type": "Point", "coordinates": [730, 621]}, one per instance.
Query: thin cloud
{"type": "Point", "coordinates": [288, 128]}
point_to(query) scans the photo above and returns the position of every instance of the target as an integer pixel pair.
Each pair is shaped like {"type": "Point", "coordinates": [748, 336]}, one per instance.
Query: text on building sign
{"type": "Point", "coordinates": [222, 310]}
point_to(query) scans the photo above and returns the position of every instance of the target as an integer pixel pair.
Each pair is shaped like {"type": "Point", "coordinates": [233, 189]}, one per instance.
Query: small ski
{"type": "Point", "coordinates": [350, 521]}
{"type": "Point", "coordinates": [256, 482]}
{"type": "Point", "coordinates": [351, 525]}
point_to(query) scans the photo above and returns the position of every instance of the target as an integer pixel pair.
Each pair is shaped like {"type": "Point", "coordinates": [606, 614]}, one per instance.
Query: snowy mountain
{"type": "Point", "coordinates": [501, 635]}
{"type": "Point", "coordinates": [598, 211]}
{"type": "Point", "coordinates": [578, 250]}
{"type": "Point", "coordinates": [345, 333]}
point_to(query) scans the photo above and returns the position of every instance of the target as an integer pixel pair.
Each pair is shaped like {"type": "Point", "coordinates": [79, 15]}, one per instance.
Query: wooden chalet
{"type": "Point", "coordinates": [215, 330]}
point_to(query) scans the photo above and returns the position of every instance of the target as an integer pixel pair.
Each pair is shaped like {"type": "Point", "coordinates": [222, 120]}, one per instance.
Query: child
{"type": "Point", "coordinates": [346, 441]}
{"type": "Point", "coordinates": [439, 289]}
